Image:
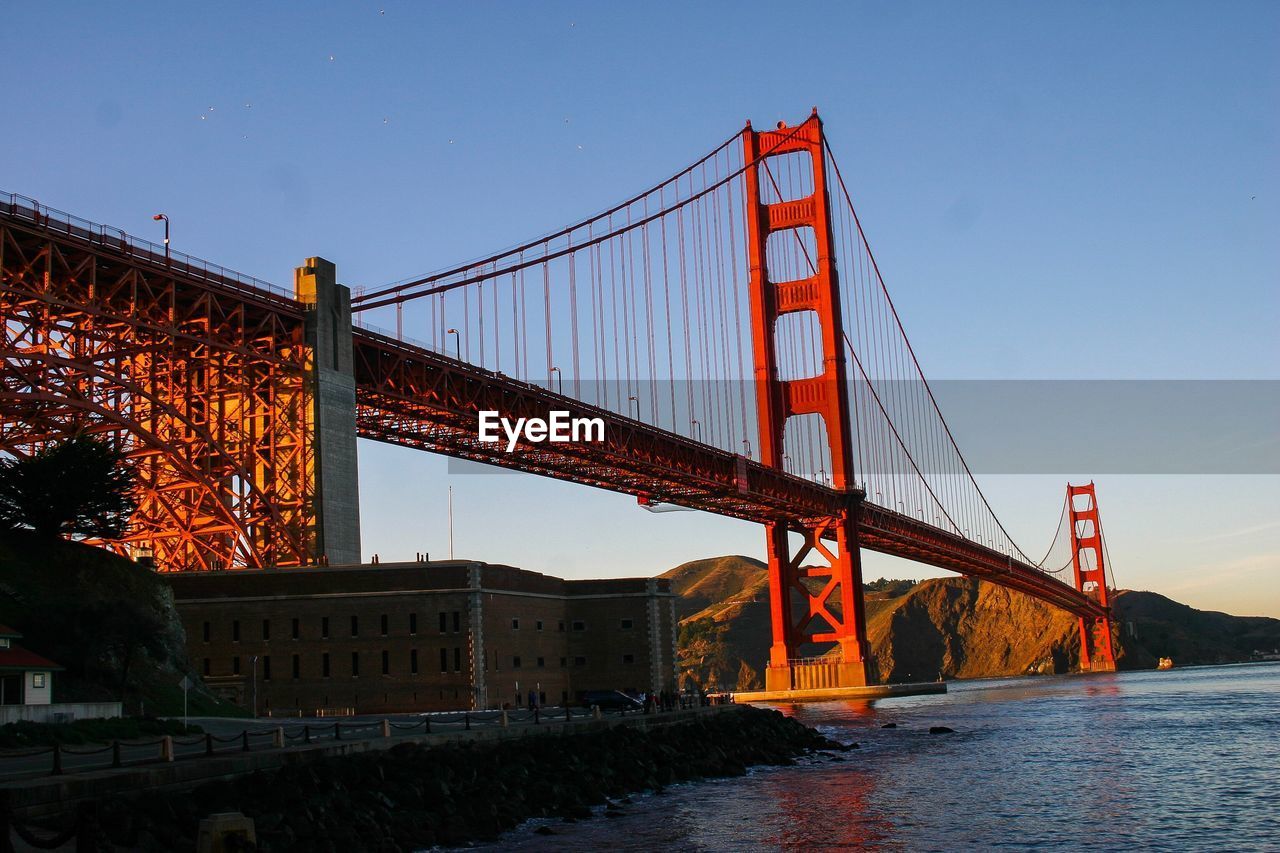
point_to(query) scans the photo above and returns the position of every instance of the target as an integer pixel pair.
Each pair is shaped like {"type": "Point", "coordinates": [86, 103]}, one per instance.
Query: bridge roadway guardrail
{"type": "Point", "coordinates": [62, 760]}
{"type": "Point", "coordinates": [137, 248]}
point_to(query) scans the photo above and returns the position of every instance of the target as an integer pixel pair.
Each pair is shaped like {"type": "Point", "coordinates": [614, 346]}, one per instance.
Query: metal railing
{"type": "Point", "coordinates": [64, 759]}
{"type": "Point", "coordinates": [837, 657]}
{"type": "Point", "coordinates": [136, 248]}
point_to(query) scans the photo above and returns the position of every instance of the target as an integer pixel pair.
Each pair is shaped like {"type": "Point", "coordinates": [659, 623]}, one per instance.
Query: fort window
{"type": "Point", "coordinates": [444, 621]}
{"type": "Point", "coordinates": [542, 662]}
{"type": "Point", "coordinates": [266, 667]}
{"type": "Point", "coordinates": [457, 621]}
{"type": "Point", "coordinates": [355, 664]}
{"type": "Point", "coordinates": [628, 658]}
{"type": "Point", "coordinates": [235, 630]}
{"type": "Point", "coordinates": [386, 662]}
{"type": "Point", "coordinates": [626, 624]}
{"type": "Point", "coordinates": [413, 661]}
{"type": "Point", "coordinates": [207, 666]}
{"type": "Point", "coordinates": [324, 668]}
{"type": "Point", "coordinates": [297, 628]}
{"type": "Point", "coordinates": [235, 665]}
{"type": "Point", "coordinates": [444, 660]}
{"type": "Point", "coordinates": [384, 624]}
{"type": "Point", "coordinates": [579, 661]}
{"type": "Point", "coordinates": [297, 666]}
{"type": "Point", "coordinates": [538, 624]}
{"type": "Point", "coordinates": [324, 627]}
{"type": "Point", "coordinates": [266, 629]}
{"type": "Point", "coordinates": [515, 662]}
{"type": "Point", "coordinates": [457, 659]}
{"type": "Point", "coordinates": [207, 631]}
{"type": "Point", "coordinates": [355, 626]}
{"type": "Point", "coordinates": [413, 624]}
{"type": "Point", "coordinates": [515, 624]}
{"type": "Point", "coordinates": [579, 625]}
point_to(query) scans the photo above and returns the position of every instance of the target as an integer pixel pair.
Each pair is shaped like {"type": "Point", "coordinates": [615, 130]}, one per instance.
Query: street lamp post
{"type": "Point", "coordinates": [457, 342]}
{"type": "Point", "coordinates": [559, 379]}
{"type": "Point", "coordinates": [634, 399]}
{"type": "Point", "coordinates": [160, 217]}
{"type": "Point", "coordinates": [255, 686]}
{"type": "Point", "coordinates": [697, 429]}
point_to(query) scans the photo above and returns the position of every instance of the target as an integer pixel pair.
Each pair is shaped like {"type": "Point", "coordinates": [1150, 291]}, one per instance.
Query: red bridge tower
{"type": "Point", "coordinates": [1097, 650]}
{"type": "Point", "coordinates": [811, 606]}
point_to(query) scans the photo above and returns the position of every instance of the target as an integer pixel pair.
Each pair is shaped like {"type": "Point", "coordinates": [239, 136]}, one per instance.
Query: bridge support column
{"type": "Point", "coordinates": [336, 536]}
{"type": "Point", "coordinates": [819, 621]}
{"type": "Point", "coordinates": [819, 632]}
{"type": "Point", "coordinates": [1097, 644]}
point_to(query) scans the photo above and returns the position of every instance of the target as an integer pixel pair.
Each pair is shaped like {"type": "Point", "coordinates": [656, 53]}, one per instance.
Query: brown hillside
{"type": "Point", "coordinates": [1153, 626]}
{"type": "Point", "coordinates": [700, 583]}
{"type": "Point", "coordinates": [955, 627]}
{"type": "Point", "coordinates": [965, 628]}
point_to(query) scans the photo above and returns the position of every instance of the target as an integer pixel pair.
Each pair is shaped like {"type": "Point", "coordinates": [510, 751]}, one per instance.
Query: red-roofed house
{"type": "Point", "coordinates": [25, 677]}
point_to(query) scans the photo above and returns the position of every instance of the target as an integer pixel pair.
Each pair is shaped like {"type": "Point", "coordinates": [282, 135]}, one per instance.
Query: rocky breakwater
{"type": "Point", "coordinates": [416, 795]}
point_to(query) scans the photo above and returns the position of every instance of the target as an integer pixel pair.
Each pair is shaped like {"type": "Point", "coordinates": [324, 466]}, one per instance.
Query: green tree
{"type": "Point", "coordinates": [121, 632]}
{"type": "Point", "coordinates": [79, 486]}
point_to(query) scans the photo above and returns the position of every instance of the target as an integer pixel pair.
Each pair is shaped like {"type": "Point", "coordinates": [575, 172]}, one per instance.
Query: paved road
{"type": "Point", "coordinates": [227, 736]}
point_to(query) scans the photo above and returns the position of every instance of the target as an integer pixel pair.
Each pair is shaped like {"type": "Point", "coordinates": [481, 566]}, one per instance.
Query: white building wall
{"type": "Point", "coordinates": [38, 695]}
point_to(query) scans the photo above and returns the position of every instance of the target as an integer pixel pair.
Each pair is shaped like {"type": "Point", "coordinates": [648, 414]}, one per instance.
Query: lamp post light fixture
{"type": "Point", "coordinates": [559, 379]}
{"type": "Point", "coordinates": [457, 342]}
{"type": "Point", "coordinates": [255, 686]}
{"type": "Point", "coordinates": [160, 217]}
{"type": "Point", "coordinates": [634, 399]}
{"type": "Point", "coordinates": [697, 428]}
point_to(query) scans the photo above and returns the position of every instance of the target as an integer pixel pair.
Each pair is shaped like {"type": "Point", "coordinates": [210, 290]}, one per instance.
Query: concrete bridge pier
{"type": "Point", "coordinates": [332, 390]}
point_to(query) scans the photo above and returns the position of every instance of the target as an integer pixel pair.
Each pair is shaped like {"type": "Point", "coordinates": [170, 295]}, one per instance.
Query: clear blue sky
{"type": "Point", "coordinates": [1084, 190]}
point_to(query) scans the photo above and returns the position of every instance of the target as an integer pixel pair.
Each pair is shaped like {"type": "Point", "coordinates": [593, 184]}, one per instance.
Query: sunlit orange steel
{"type": "Point", "coordinates": [197, 376]}
{"type": "Point", "coordinates": [1097, 649]}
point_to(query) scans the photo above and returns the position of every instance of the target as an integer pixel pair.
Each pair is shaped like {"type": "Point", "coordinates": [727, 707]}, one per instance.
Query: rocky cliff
{"type": "Point", "coordinates": [950, 627]}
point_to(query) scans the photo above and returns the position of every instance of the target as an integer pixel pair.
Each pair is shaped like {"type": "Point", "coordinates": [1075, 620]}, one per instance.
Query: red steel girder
{"type": "Point", "coordinates": [413, 396]}
{"type": "Point", "coordinates": [197, 374]}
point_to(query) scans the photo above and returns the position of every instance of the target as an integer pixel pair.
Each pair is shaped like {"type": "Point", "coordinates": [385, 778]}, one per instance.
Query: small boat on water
{"type": "Point", "coordinates": [1165, 663]}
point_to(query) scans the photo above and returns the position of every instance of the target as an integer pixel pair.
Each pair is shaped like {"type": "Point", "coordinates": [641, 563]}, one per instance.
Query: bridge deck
{"type": "Point", "coordinates": [415, 397]}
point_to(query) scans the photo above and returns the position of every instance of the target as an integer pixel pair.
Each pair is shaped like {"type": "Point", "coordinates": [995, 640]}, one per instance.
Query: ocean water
{"type": "Point", "coordinates": [1187, 759]}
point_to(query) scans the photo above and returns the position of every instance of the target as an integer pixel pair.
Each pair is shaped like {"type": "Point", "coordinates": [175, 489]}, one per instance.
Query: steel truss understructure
{"type": "Point", "coordinates": [197, 376]}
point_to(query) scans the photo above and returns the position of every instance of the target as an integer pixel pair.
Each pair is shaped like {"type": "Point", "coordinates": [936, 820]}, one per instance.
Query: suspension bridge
{"type": "Point", "coordinates": [729, 327]}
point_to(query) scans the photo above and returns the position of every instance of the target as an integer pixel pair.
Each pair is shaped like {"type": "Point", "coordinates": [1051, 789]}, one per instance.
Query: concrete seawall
{"type": "Point", "coordinates": [413, 793]}
{"type": "Point", "coordinates": [834, 694]}
{"type": "Point", "coordinates": [59, 795]}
